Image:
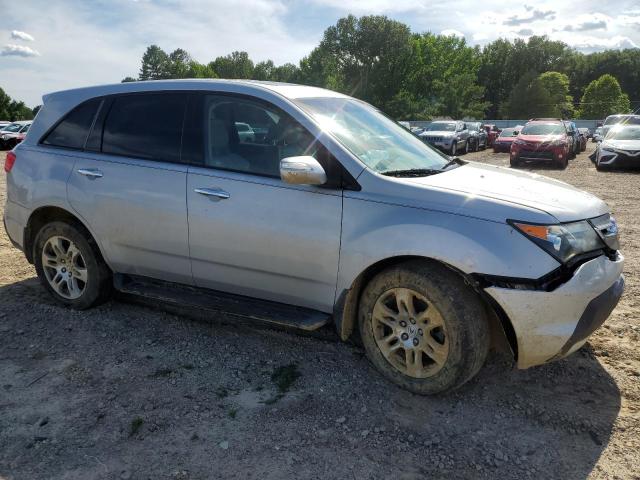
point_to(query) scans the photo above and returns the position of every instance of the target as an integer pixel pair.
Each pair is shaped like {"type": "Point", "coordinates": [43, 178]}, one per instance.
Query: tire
{"type": "Point", "coordinates": [514, 162]}
{"type": "Point", "coordinates": [562, 164]}
{"type": "Point", "coordinates": [454, 149]}
{"type": "Point", "coordinates": [476, 145]}
{"type": "Point", "coordinates": [459, 332]}
{"type": "Point", "coordinates": [466, 146]}
{"type": "Point", "coordinates": [74, 264]}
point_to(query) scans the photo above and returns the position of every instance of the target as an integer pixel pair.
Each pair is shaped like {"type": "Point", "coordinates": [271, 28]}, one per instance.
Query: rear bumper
{"type": "Point", "coordinates": [551, 325]}
{"type": "Point", "coordinates": [15, 220]}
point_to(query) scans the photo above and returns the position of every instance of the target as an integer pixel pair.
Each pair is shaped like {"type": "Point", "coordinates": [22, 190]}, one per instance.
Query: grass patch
{"type": "Point", "coordinates": [283, 378]}
{"type": "Point", "coordinates": [161, 372]}
{"type": "Point", "coordinates": [136, 425]}
{"type": "Point", "coordinates": [222, 392]}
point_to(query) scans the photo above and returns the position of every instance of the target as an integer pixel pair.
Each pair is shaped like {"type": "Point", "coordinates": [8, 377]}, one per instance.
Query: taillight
{"type": "Point", "coordinates": [9, 161]}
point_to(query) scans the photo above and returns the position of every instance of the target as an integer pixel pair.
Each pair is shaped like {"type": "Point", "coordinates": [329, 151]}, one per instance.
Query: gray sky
{"type": "Point", "coordinates": [47, 46]}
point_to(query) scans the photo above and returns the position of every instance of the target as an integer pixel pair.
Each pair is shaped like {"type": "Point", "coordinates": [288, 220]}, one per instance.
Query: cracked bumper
{"type": "Point", "coordinates": [552, 325]}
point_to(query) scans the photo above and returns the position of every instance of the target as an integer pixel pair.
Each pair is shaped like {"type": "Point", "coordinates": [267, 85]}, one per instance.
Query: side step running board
{"type": "Point", "coordinates": [247, 307]}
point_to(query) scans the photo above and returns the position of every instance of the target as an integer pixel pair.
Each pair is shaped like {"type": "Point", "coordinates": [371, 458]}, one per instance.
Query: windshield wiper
{"type": "Point", "coordinates": [411, 172]}
{"type": "Point", "coordinates": [453, 161]}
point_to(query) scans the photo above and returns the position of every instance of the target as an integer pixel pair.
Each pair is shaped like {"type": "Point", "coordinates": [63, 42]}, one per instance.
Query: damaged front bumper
{"type": "Point", "coordinates": [552, 324]}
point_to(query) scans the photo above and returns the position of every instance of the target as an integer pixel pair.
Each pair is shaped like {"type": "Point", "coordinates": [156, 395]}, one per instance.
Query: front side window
{"type": "Point", "coordinates": [379, 142]}
{"type": "Point", "coordinates": [147, 126]}
{"type": "Point", "coordinates": [13, 128]}
{"type": "Point", "coordinates": [248, 136]}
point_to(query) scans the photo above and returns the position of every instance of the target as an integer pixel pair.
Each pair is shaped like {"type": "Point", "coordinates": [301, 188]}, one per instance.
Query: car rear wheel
{"type": "Point", "coordinates": [70, 266]}
{"type": "Point", "coordinates": [423, 328]}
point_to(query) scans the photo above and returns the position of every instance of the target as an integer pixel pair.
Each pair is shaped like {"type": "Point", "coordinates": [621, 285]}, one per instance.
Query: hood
{"type": "Point", "coordinates": [540, 138]}
{"type": "Point", "coordinates": [633, 145]}
{"type": "Point", "coordinates": [561, 200]}
{"type": "Point", "coordinates": [437, 133]}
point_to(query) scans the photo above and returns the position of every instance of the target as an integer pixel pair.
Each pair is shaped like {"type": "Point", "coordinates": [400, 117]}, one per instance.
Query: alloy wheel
{"type": "Point", "coordinates": [64, 267]}
{"type": "Point", "coordinates": [410, 332]}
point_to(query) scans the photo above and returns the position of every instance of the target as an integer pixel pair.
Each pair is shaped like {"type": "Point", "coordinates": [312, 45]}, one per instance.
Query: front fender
{"type": "Point", "coordinates": [373, 232]}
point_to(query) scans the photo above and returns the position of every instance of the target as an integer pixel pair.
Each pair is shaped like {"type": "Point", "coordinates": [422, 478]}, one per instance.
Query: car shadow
{"type": "Point", "coordinates": [90, 373]}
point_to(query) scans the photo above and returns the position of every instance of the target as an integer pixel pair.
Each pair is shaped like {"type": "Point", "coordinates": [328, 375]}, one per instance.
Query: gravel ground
{"type": "Point", "coordinates": [135, 391]}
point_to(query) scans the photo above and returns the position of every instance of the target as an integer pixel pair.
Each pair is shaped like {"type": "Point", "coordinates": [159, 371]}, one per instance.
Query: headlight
{"type": "Point", "coordinates": [559, 143]}
{"type": "Point", "coordinates": [563, 241]}
{"type": "Point", "coordinates": [519, 142]}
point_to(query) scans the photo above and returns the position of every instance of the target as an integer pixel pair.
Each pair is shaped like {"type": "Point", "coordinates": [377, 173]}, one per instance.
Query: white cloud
{"type": "Point", "coordinates": [18, 35]}
{"type": "Point", "coordinates": [18, 51]}
{"type": "Point", "coordinates": [447, 32]}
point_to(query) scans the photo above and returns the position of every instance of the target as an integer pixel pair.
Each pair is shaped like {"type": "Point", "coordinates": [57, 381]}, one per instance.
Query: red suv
{"type": "Point", "coordinates": [542, 140]}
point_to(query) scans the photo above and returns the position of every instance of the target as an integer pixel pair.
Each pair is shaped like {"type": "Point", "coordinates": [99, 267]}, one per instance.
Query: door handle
{"type": "Point", "coordinates": [213, 192]}
{"type": "Point", "coordinates": [90, 172]}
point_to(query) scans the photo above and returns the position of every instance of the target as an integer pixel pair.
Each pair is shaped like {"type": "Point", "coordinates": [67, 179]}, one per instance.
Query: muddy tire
{"type": "Point", "coordinates": [70, 266]}
{"type": "Point", "coordinates": [423, 328]}
{"type": "Point", "coordinates": [562, 163]}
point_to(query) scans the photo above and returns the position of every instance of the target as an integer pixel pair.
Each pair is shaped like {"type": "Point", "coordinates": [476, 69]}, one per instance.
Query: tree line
{"type": "Point", "coordinates": [14, 110]}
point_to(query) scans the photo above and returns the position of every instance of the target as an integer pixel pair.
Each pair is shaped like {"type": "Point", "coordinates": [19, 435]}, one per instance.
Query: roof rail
{"type": "Point", "coordinates": [545, 119]}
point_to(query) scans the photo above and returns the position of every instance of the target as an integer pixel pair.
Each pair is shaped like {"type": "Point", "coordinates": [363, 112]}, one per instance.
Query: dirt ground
{"type": "Point", "coordinates": [145, 392]}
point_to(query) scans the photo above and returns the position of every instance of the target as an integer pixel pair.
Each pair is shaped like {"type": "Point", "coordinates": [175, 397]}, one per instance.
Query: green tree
{"type": "Point", "coordinates": [370, 54]}
{"type": "Point", "coordinates": [128, 80]}
{"type": "Point", "coordinates": [155, 64]}
{"type": "Point", "coordinates": [529, 98]}
{"type": "Point", "coordinates": [235, 65]}
{"type": "Point", "coordinates": [603, 97]}
{"type": "Point", "coordinates": [557, 85]}
{"type": "Point", "coordinates": [178, 64]}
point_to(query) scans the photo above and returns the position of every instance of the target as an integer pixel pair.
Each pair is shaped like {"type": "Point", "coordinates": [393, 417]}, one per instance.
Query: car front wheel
{"type": "Point", "coordinates": [70, 266]}
{"type": "Point", "coordinates": [423, 328]}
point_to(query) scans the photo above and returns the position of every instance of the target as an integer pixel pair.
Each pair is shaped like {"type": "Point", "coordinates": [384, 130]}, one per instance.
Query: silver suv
{"type": "Point", "coordinates": [330, 212]}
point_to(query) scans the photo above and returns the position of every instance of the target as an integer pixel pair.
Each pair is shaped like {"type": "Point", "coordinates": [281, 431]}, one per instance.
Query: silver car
{"type": "Point", "coordinates": [336, 214]}
{"type": "Point", "coordinates": [450, 136]}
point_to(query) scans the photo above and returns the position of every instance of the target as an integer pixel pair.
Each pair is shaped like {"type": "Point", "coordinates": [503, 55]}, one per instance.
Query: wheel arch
{"type": "Point", "coordinates": [345, 313]}
{"type": "Point", "coordinates": [47, 214]}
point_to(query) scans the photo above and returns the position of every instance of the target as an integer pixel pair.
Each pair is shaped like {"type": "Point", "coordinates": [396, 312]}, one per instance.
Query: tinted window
{"type": "Point", "coordinates": [145, 126]}
{"type": "Point", "coordinates": [72, 131]}
{"type": "Point", "coordinates": [248, 136]}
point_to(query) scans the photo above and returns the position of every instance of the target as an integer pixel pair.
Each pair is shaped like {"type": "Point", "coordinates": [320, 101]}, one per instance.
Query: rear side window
{"type": "Point", "coordinates": [145, 126]}
{"type": "Point", "coordinates": [72, 131]}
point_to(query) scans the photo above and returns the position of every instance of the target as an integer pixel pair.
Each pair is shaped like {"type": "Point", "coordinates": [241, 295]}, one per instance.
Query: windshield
{"type": "Point", "coordinates": [624, 134]}
{"type": "Point", "coordinates": [14, 127]}
{"type": "Point", "coordinates": [441, 127]}
{"type": "Point", "coordinates": [543, 129]}
{"type": "Point", "coordinates": [509, 132]}
{"type": "Point", "coordinates": [379, 142]}
{"type": "Point", "coordinates": [627, 119]}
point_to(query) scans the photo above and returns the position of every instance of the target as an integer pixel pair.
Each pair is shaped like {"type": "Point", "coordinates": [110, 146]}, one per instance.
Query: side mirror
{"type": "Point", "coordinates": [304, 170]}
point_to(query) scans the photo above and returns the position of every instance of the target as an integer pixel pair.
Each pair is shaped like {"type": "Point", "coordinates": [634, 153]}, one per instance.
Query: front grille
{"type": "Point", "coordinates": [432, 139]}
{"type": "Point", "coordinates": [537, 154]}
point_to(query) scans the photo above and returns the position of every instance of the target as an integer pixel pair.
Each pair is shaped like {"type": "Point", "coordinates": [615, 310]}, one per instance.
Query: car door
{"type": "Point", "coordinates": [130, 187]}
{"type": "Point", "coordinates": [249, 232]}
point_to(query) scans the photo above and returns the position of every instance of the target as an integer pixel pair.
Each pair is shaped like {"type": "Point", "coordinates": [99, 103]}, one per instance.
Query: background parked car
{"type": "Point", "coordinates": [245, 132]}
{"type": "Point", "coordinates": [492, 133]}
{"type": "Point", "coordinates": [478, 138]}
{"type": "Point", "coordinates": [448, 135]}
{"type": "Point", "coordinates": [4, 123]}
{"type": "Point", "coordinates": [621, 148]}
{"type": "Point", "coordinates": [9, 135]}
{"type": "Point", "coordinates": [503, 142]}
{"type": "Point", "coordinates": [542, 140]}
{"type": "Point", "coordinates": [582, 140]}
{"type": "Point", "coordinates": [597, 135]}
{"type": "Point", "coordinates": [586, 132]}
{"type": "Point", "coordinates": [574, 141]}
